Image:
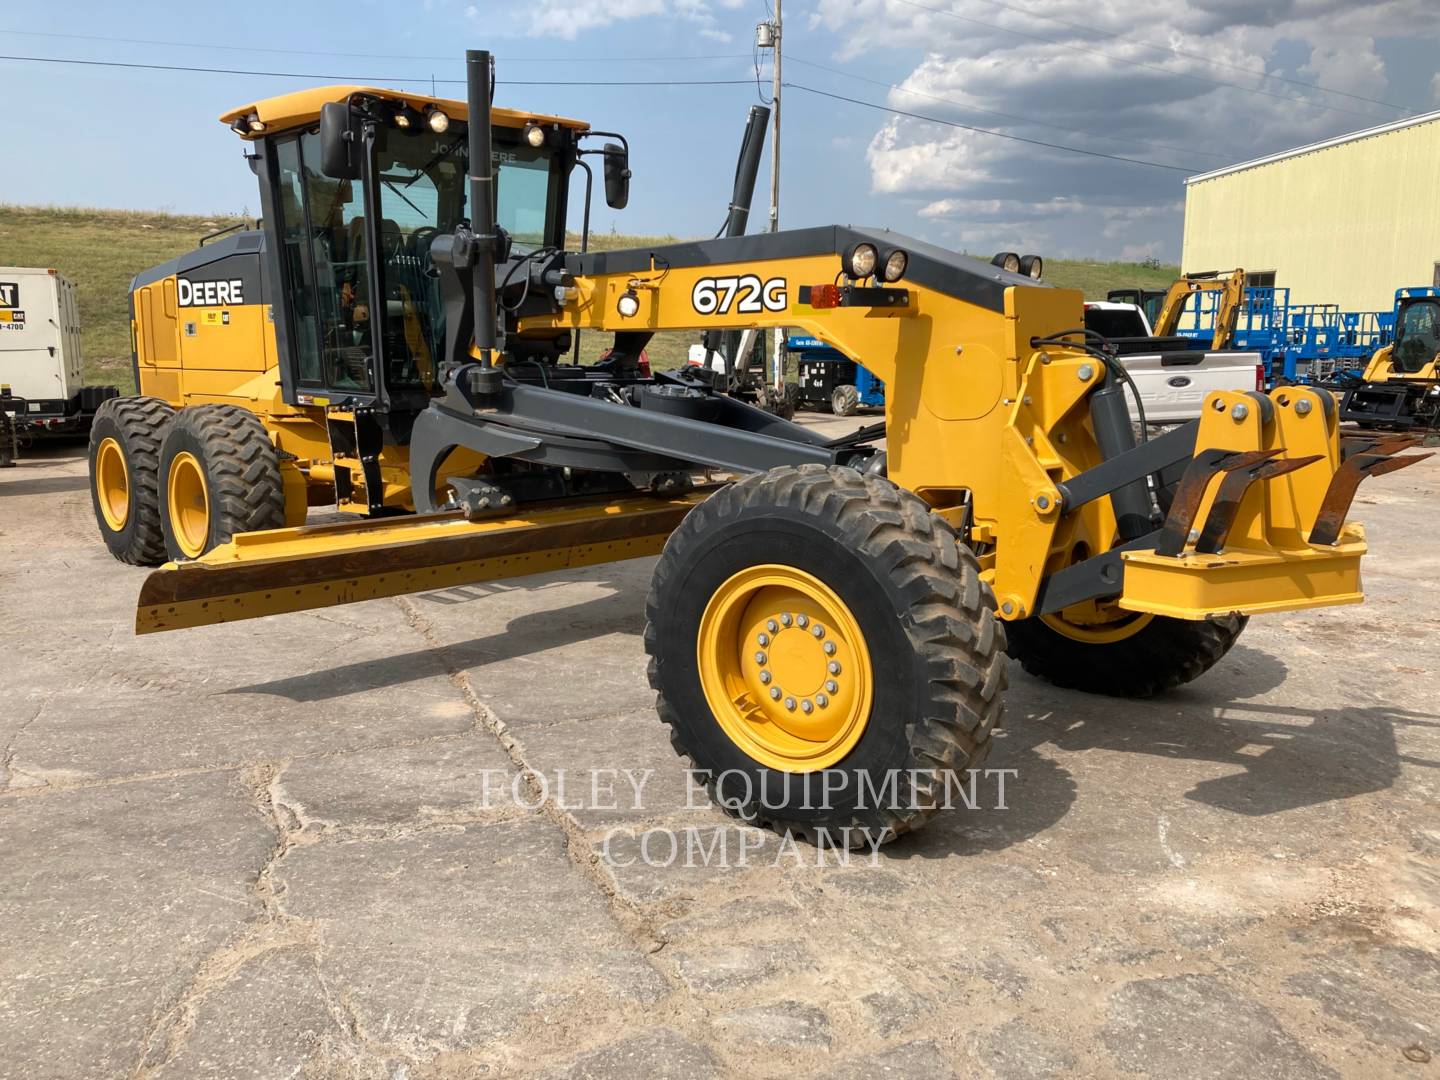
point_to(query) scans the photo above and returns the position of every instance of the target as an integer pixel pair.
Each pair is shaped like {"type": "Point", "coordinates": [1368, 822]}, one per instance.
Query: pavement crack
{"type": "Point", "coordinates": [7, 756]}
{"type": "Point", "coordinates": [628, 915]}
{"type": "Point", "coordinates": [269, 929]}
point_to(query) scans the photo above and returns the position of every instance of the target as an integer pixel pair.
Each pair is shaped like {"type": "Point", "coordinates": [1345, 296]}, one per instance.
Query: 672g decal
{"type": "Point", "coordinates": [746, 295]}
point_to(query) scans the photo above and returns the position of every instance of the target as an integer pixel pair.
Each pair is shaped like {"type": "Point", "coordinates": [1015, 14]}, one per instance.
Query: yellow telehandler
{"type": "Point", "coordinates": [828, 618]}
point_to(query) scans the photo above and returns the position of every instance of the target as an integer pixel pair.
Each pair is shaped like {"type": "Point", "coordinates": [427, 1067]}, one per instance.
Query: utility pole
{"type": "Point", "coordinates": [769, 35]}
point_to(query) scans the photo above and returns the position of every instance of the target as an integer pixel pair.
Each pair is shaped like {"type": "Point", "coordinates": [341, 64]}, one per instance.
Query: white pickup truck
{"type": "Point", "coordinates": [1172, 375]}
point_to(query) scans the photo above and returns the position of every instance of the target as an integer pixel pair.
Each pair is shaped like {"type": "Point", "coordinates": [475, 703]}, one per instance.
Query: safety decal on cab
{"type": "Point", "coordinates": [746, 295]}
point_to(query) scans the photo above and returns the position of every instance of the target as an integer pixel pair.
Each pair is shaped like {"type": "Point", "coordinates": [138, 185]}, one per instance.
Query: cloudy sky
{"type": "Point", "coordinates": [1150, 90]}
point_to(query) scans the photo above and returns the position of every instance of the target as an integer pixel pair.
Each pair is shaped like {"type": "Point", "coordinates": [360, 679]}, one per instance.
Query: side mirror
{"type": "Point", "coordinates": [617, 176]}
{"type": "Point", "coordinates": [338, 158]}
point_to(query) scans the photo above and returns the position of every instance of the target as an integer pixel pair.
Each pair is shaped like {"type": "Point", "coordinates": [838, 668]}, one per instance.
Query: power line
{"type": "Point", "coordinates": [1196, 56]}
{"type": "Point", "coordinates": [372, 80]}
{"type": "Point", "coordinates": [986, 131]}
{"type": "Point", "coordinates": [1133, 63]}
{"type": "Point", "coordinates": [369, 56]}
{"type": "Point", "coordinates": [1010, 116]}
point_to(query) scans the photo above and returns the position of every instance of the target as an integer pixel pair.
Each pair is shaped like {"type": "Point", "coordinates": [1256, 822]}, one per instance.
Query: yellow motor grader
{"type": "Point", "coordinates": [828, 618]}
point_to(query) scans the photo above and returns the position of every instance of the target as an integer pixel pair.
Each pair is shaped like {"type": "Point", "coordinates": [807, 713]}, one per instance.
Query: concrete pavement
{"type": "Point", "coordinates": [445, 836]}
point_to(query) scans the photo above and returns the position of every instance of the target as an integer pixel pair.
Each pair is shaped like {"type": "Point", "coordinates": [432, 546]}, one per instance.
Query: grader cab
{"type": "Point", "coordinates": [828, 617]}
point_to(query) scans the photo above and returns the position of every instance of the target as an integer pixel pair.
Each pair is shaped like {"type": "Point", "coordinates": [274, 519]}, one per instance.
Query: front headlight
{"type": "Point", "coordinates": [535, 135]}
{"type": "Point", "coordinates": [1032, 266]}
{"type": "Point", "coordinates": [1007, 261]}
{"type": "Point", "coordinates": [859, 260]}
{"type": "Point", "coordinates": [896, 263]}
{"type": "Point", "coordinates": [438, 121]}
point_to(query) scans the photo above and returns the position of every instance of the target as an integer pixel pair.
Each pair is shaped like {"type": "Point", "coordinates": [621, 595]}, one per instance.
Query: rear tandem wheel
{"type": "Point", "coordinates": [221, 476]}
{"type": "Point", "coordinates": [125, 441]}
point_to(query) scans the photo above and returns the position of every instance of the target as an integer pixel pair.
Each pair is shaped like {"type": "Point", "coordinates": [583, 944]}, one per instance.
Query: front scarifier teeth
{"type": "Point", "coordinates": [1374, 460]}
{"type": "Point", "coordinates": [1232, 490]}
{"type": "Point", "coordinates": [1190, 492]}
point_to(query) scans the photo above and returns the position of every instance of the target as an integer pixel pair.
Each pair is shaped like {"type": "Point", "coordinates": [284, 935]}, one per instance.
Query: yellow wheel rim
{"type": "Point", "coordinates": [785, 668]}
{"type": "Point", "coordinates": [1097, 624]}
{"type": "Point", "coordinates": [189, 502]}
{"type": "Point", "coordinates": [112, 485]}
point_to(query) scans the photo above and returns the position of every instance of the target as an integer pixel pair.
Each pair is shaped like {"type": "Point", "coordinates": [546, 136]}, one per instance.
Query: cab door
{"type": "Point", "coordinates": [324, 237]}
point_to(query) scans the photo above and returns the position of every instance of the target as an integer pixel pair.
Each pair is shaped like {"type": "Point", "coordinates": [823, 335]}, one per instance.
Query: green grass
{"type": "Point", "coordinates": [1095, 279]}
{"type": "Point", "coordinates": [101, 250]}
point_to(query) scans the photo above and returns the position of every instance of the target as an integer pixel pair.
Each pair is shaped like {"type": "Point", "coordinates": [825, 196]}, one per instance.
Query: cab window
{"type": "Point", "coordinates": [1417, 339]}
{"type": "Point", "coordinates": [324, 237]}
{"type": "Point", "coordinates": [421, 180]}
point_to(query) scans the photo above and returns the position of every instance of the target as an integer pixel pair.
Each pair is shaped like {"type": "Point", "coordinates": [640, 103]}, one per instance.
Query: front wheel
{"type": "Point", "coordinates": [825, 653]}
{"type": "Point", "coordinates": [1133, 655]}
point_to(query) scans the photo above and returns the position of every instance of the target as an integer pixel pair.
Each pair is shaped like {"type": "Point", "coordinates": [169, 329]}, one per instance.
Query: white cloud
{"type": "Point", "coordinates": [569, 19]}
{"type": "Point", "coordinates": [1086, 74]}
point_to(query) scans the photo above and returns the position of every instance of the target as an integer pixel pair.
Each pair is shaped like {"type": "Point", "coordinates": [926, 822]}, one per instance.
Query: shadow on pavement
{"type": "Point", "coordinates": [622, 612]}
{"type": "Point", "coordinates": [44, 485]}
{"type": "Point", "coordinates": [1286, 756]}
{"type": "Point", "coordinates": [1289, 756]}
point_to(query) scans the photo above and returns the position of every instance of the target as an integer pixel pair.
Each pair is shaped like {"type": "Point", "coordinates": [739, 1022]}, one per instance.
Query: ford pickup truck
{"type": "Point", "coordinates": [1171, 374]}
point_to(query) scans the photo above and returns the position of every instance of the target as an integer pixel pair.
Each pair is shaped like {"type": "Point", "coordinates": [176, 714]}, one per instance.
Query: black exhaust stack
{"type": "Point", "coordinates": [746, 170]}
{"type": "Point", "coordinates": [479, 76]}
{"type": "Point", "coordinates": [747, 167]}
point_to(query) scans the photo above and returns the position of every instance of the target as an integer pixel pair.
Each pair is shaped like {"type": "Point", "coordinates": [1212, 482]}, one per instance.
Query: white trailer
{"type": "Point", "coordinates": [42, 381]}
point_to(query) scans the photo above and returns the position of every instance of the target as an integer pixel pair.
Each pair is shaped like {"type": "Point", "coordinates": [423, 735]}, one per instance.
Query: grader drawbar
{"type": "Point", "coordinates": [828, 619]}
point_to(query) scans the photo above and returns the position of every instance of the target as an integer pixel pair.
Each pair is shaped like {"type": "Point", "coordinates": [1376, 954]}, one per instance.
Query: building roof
{"type": "Point", "coordinates": [302, 108]}
{"type": "Point", "coordinates": [1326, 144]}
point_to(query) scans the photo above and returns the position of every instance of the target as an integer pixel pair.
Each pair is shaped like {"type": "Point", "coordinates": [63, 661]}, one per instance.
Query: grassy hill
{"type": "Point", "coordinates": [101, 250]}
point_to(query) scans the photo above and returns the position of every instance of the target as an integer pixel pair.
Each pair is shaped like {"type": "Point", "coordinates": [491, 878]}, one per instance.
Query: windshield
{"type": "Point", "coordinates": [422, 191]}
{"type": "Point", "coordinates": [1417, 339]}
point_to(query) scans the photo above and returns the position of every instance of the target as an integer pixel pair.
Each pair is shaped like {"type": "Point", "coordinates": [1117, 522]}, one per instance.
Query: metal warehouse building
{"type": "Point", "coordinates": [1345, 221]}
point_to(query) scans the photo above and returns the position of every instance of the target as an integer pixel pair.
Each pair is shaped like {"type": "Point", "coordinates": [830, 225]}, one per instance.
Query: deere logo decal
{"type": "Point", "coordinates": [210, 293]}
{"type": "Point", "coordinates": [9, 294]}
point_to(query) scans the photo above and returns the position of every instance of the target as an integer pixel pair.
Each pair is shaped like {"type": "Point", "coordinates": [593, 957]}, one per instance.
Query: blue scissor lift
{"type": "Point", "coordinates": [827, 378]}
{"type": "Point", "coordinates": [1297, 343]}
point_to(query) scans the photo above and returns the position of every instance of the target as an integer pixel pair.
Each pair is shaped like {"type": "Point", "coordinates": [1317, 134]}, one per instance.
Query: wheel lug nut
{"type": "Point", "coordinates": [829, 648]}
{"type": "Point", "coordinates": [775, 693]}
{"type": "Point", "coordinates": [833, 667]}
{"type": "Point", "coordinates": [772, 626]}
{"type": "Point", "coordinates": [802, 621]}
{"type": "Point", "coordinates": [818, 630]}
{"type": "Point", "coordinates": [790, 703]}
{"type": "Point", "coordinates": [786, 620]}
{"type": "Point", "coordinates": [763, 639]}
{"type": "Point", "coordinates": [831, 685]}
{"type": "Point", "coordinates": [821, 700]}
{"type": "Point", "coordinates": [764, 678]}
{"type": "Point", "coordinates": [806, 706]}
{"type": "Point", "coordinates": [760, 658]}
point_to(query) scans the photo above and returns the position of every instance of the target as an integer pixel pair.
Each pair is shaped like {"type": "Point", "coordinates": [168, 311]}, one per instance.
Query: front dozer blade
{"type": "Point", "coordinates": [283, 570]}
